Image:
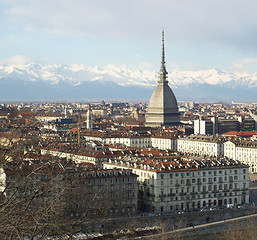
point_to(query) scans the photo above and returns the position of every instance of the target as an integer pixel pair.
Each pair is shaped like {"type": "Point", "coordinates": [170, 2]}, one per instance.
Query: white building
{"type": "Point", "coordinates": [201, 145]}
{"type": "Point", "coordinates": [204, 127]}
{"type": "Point", "coordinates": [187, 183]}
{"type": "Point", "coordinates": [164, 142]}
{"type": "Point", "coordinates": [243, 151]}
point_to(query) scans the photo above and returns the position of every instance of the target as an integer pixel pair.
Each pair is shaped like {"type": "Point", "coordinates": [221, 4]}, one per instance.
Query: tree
{"type": "Point", "coordinates": [246, 230]}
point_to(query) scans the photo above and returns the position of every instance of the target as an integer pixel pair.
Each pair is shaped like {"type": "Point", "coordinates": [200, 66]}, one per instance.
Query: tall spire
{"type": "Point", "coordinates": [163, 72]}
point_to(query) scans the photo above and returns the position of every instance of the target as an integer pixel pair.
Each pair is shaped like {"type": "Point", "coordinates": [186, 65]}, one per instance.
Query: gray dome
{"type": "Point", "coordinates": [163, 97]}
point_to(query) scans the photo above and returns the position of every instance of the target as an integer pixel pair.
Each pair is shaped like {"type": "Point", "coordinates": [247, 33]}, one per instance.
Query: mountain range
{"type": "Point", "coordinates": [38, 82]}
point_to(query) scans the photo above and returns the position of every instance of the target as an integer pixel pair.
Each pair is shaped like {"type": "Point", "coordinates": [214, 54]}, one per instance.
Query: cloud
{"type": "Point", "coordinates": [246, 64]}
{"type": "Point", "coordinates": [17, 60]}
{"type": "Point", "coordinates": [231, 22]}
{"type": "Point", "coordinates": [146, 66]}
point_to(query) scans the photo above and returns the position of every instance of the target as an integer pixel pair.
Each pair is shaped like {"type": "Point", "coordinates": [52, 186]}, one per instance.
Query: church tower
{"type": "Point", "coordinates": [89, 118]}
{"type": "Point", "coordinates": [162, 108]}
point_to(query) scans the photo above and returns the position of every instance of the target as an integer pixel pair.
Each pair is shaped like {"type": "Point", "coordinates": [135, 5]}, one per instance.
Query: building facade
{"type": "Point", "coordinates": [185, 184]}
{"type": "Point", "coordinates": [243, 151]}
{"type": "Point", "coordinates": [201, 145]}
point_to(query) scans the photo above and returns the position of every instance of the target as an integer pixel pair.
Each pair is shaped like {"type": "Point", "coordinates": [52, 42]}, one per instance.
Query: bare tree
{"type": "Point", "coordinates": [246, 230]}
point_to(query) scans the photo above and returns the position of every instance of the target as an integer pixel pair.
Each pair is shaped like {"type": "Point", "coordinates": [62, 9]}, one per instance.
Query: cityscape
{"type": "Point", "coordinates": [118, 152]}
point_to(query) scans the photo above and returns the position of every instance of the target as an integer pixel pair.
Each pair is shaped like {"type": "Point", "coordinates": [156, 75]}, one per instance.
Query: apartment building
{"type": "Point", "coordinates": [164, 142]}
{"type": "Point", "coordinates": [243, 151]}
{"type": "Point", "coordinates": [161, 141]}
{"type": "Point", "coordinates": [186, 183]}
{"type": "Point", "coordinates": [201, 145]}
{"type": "Point", "coordinates": [111, 192]}
{"type": "Point", "coordinates": [72, 190]}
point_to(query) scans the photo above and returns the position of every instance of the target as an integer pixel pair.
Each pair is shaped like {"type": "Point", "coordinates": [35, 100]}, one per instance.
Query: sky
{"type": "Point", "coordinates": [199, 34]}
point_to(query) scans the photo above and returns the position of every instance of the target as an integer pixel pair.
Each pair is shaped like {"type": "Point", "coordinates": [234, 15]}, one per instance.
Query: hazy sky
{"type": "Point", "coordinates": [199, 34]}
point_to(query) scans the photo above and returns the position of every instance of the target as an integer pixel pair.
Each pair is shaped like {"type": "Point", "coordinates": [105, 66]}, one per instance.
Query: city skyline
{"type": "Point", "coordinates": [199, 35]}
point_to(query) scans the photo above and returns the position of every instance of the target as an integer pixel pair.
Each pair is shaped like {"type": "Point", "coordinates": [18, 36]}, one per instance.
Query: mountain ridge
{"type": "Point", "coordinates": [63, 81]}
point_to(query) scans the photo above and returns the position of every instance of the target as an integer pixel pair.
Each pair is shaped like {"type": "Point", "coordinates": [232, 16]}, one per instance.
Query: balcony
{"type": "Point", "coordinates": [204, 192]}
{"type": "Point", "coordinates": [171, 194]}
{"type": "Point", "coordinates": [182, 194]}
{"type": "Point", "coordinates": [162, 195]}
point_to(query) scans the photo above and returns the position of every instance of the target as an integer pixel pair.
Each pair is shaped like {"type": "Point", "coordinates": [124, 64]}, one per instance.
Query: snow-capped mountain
{"type": "Point", "coordinates": [68, 81]}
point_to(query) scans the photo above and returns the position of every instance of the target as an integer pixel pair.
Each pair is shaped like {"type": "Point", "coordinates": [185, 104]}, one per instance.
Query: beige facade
{"type": "Point", "coordinates": [164, 142]}
{"type": "Point", "coordinates": [243, 151]}
{"type": "Point", "coordinates": [188, 184]}
{"type": "Point", "coordinates": [160, 142]}
{"type": "Point", "coordinates": [201, 145]}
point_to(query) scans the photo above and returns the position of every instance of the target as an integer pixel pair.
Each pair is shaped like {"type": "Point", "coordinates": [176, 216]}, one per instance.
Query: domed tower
{"type": "Point", "coordinates": [162, 108]}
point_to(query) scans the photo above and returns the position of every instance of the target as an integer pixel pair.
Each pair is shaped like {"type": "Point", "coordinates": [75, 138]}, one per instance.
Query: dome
{"type": "Point", "coordinates": [163, 97]}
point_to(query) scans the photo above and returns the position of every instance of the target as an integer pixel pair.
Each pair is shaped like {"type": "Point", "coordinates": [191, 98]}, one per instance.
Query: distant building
{"type": "Point", "coordinates": [99, 112]}
{"type": "Point", "coordinates": [89, 119]}
{"type": "Point", "coordinates": [205, 127]}
{"type": "Point", "coordinates": [162, 108]}
{"type": "Point", "coordinates": [214, 125]}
